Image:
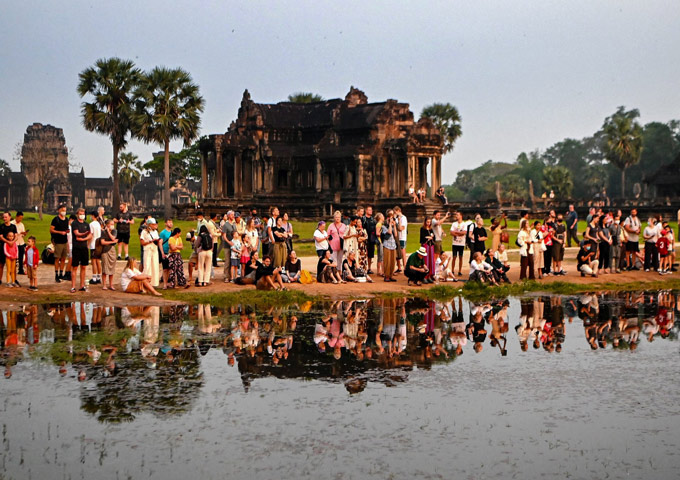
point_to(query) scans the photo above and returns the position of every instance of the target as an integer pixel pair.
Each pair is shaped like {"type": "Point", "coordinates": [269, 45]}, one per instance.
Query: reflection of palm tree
{"type": "Point", "coordinates": [130, 172]}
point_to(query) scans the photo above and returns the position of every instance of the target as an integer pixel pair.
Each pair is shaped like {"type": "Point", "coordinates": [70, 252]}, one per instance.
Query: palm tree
{"type": "Point", "coordinates": [623, 137]}
{"type": "Point", "coordinates": [167, 107]}
{"type": "Point", "coordinates": [130, 171]}
{"type": "Point", "coordinates": [110, 84]}
{"type": "Point", "coordinates": [304, 97]}
{"type": "Point", "coordinates": [447, 119]}
{"type": "Point", "coordinates": [558, 179]}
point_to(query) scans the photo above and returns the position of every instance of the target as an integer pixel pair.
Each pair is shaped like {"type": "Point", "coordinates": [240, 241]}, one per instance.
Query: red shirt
{"type": "Point", "coordinates": [662, 244]}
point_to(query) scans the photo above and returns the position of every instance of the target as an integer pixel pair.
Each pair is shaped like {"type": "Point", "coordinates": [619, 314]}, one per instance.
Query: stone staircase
{"type": "Point", "coordinates": [417, 213]}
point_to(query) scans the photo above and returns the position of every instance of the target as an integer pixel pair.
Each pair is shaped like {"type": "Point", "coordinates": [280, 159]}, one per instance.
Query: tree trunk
{"type": "Point", "coordinates": [623, 182]}
{"type": "Point", "coordinates": [116, 181]}
{"type": "Point", "coordinates": [166, 193]}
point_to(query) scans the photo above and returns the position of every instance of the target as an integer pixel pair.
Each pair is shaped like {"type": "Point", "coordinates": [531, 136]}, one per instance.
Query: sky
{"type": "Point", "coordinates": [523, 74]}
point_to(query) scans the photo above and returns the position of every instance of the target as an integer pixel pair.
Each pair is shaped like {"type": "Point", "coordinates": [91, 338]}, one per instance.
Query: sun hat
{"type": "Point", "coordinates": [422, 252]}
{"type": "Point", "coordinates": [151, 221]}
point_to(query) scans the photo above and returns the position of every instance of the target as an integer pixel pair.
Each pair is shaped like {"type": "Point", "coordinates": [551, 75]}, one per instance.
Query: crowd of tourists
{"type": "Point", "coordinates": [258, 250]}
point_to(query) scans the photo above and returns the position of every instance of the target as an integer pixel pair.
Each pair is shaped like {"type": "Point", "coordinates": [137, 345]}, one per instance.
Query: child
{"type": "Point", "coordinates": [441, 269]}
{"type": "Point", "coordinates": [11, 255]}
{"type": "Point", "coordinates": [502, 256]}
{"type": "Point", "coordinates": [662, 245]}
{"type": "Point", "coordinates": [245, 254]}
{"type": "Point", "coordinates": [236, 247]}
{"type": "Point", "coordinates": [31, 261]}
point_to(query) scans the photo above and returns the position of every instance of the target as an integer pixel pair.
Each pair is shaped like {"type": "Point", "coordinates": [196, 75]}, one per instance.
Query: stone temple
{"type": "Point", "coordinates": [311, 158]}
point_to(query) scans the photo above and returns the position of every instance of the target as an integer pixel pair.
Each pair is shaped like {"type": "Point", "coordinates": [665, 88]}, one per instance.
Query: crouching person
{"type": "Point", "coordinates": [480, 271]}
{"type": "Point", "coordinates": [587, 263]}
{"type": "Point", "coordinates": [351, 271]}
{"type": "Point", "coordinates": [500, 269]}
{"type": "Point", "coordinates": [267, 277]}
{"type": "Point", "coordinates": [415, 269]}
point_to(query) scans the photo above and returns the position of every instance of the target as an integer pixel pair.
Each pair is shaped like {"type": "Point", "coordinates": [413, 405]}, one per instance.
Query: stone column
{"type": "Point", "coordinates": [204, 174]}
{"type": "Point", "coordinates": [434, 175]}
{"type": "Point", "coordinates": [219, 168]}
{"type": "Point", "coordinates": [319, 178]}
{"type": "Point", "coordinates": [238, 175]}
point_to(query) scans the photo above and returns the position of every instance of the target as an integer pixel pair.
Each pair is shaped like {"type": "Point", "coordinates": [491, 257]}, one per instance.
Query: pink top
{"type": "Point", "coordinates": [11, 251]}
{"type": "Point", "coordinates": [336, 231]}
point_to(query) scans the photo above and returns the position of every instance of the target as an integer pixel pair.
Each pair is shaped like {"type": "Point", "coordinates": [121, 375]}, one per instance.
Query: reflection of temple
{"type": "Point", "coordinates": [308, 157]}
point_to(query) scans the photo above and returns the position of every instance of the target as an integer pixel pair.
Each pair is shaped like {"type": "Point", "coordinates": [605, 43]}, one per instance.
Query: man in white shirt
{"type": "Point", "coordinates": [632, 227]}
{"type": "Point", "coordinates": [402, 228]}
{"type": "Point", "coordinates": [96, 230]}
{"type": "Point", "coordinates": [458, 232]}
{"type": "Point", "coordinates": [438, 231]}
{"type": "Point", "coordinates": [18, 222]}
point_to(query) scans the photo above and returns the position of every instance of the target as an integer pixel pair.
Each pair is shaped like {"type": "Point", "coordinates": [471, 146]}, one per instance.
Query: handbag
{"type": "Point", "coordinates": [505, 237]}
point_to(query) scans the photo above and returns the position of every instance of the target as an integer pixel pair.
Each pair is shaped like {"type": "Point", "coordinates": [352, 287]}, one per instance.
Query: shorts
{"type": "Point", "coordinates": [166, 263]}
{"type": "Point", "coordinates": [558, 252]}
{"type": "Point", "coordinates": [380, 252]}
{"type": "Point", "coordinates": [458, 250]}
{"type": "Point", "coordinates": [632, 247]}
{"type": "Point", "coordinates": [193, 258]}
{"type": "Point", "coordinates": [235, 262]}
{"type": "Point", "coordinates": [663, 255]}
{"type": "Point", "coordinates": [438, 247]}
{"type": "Point", "coordinates": [2, 256]}
{"type": "Point", "coordinates": [402, 244]}
{"type": "Point", "coordinates": [31, 272]}
{"type": "Point", "coordinates": [135, 286]}
{"type": "Point", "coordinates": [95, 256]}
{"type": "Point", "coordinates": [124, 238]}
{"type": "Point", "coordinates": [60, 250]}
{"type": "Point", "coordinates": [80, 257]}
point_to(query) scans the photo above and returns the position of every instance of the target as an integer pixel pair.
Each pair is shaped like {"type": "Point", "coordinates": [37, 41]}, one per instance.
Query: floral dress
{"type": "Point", "coordinates": [363, 250]}
{"type": "Point", "coordinates": [176, 265]}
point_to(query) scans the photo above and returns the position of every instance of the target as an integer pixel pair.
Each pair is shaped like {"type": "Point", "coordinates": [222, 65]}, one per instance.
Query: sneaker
{"type": "Point", "coordinates": [92, 281]}
{"type": "Point", "coordinates": [83, 289]}
{"type": "Point", "coordinates": [17, 284]}
{"type": "Point", "coordinates": [119, 257]}
{"type": "Point", "coordinates": [73, 290]}
{"type": "Point", "coordinates": [57, 278]}
{"type": "Point", "coordinates": [9, 285]}
{"type": "Point", "coordinates": [370, 272]}
{"type": "Point", "coordinates": [646, 269]}
{"type": "Point", "coordinates": [583, 274]}
{"type": "Point", "coordinates": [127, 257]}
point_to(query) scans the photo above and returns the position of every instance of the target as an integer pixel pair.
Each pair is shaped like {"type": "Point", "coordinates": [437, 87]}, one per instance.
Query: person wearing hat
{"type": "Point", "coordinates": [150, 242]}
{"type": "Point", "coordinates": [415, 269]}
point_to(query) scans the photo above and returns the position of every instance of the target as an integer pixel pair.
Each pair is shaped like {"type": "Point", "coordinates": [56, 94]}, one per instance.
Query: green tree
{"type": "Point", "coordinates": [5, 169]}
{"type": "Point", "coordinates": [130, 172]}
{"type": "Point", "coordinates": [623, 135]}
{"type": "Point", "coordinates": [513, 188]}
{"type": "Point", "coordinates": [530, 167]}
{"type": "Point", "coordinates": [304, 97]}
{"type": "Point", "coordinates": [184, 165]}
{"type": "Point", "coordinates": [167, 107]}
{"type": "Point", "coordinates": [447, 119]}
{"type": "Point", "coordinates": [110, 84]}
{"type": "Point", "coordinates": [558, 179]}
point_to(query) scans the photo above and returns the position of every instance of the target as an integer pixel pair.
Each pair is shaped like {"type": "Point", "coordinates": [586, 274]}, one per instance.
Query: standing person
{"type": "Point", "coordinates": [572, 226]}
{"type": "Point", "coordinates": [11, 253]}
{"type": "Point", "coordinates": [458, 233]}
{"type": "Point", "coordinates": [251, 239]}
{"type": "Point", "coordinates": [164, 236]}
{"type": "Point", "coordinates": [32, 260]}
{"type": "Point", "coordinates": [80, 236]}
{"type": "Point", "coordinates": [547, 229]}
{"type": "Point", "coordinates": [236, 247]}
{"type": "Point", "coordinates": [537, 248]}
{"type": "Point", "coordinates": [336, 235]}
{"type": "Point", "coordinates": [216, 235]}
{"type": "Point", "coordinates": [5, 229]}
{"type": "Point", "coordinates": [402, 226]}
{"type": "Point", "coordinates": [368, 223]}
{"type": "Point", "coordinates": [427, 244]}
{"type": "Point", "coordinates": [176, 276]}
{"type": "Point", "coordinates": [379, 264]}
{"type": "Point", "coordinates": [389, 242]}
{"type": "Point", "coordinates": [362, 241]}
{"type": "Point", "coordinates": [264, 235]}
{"type": "Point", "coordinates": [271, 224]}
{"type": "Point", "coordinates": [95, 253]}
{"type": "Point", "coordinates": [108, 240]}
{"type": "Point", "coordinates": [142, 226]}
{"type": "Point", "coordinates": [437, 222]}
{"type": "Point", "coordinates": [351, 243]}
{"type": "Point", "coordinates": [124, 220]}
{"type": "Point", "coordinates": [559, 238]}
{"type": "Point", "coordinates": [651, 236]}
{"type": "Point", "coordinates": [279, 234]}
{"type": "Point", "coordinates": [59, 231]}
{"type": "Point", "coordinates": [287, 225]}
{"type": "Point", "coordinates": [525, 255]}
{"type": "Point", "coordinates": [632, 227]}
{"type": "Point", "coordinates": [200, 221]}
{"type": "Point", "coordinates": [605, 237]}
{"type": "Point", "coordinates": [205, 251]}
{"type": "Point", "coordinates": [497, 230]}
{"type": "Point", "coordinates": [149, 240]}
{"type": "Point", "coordinates": [18, 222]}
{"type": "Point", "coordinates": [479, 236]}
{"type": "Point", "coordinates": [617, 235]}
{"type": "Point", "coordinates": [228, 228]}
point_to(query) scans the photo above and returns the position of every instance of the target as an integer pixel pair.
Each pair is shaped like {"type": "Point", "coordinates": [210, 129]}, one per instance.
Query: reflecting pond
{"type": "Point", "coordinates": [561, 386]}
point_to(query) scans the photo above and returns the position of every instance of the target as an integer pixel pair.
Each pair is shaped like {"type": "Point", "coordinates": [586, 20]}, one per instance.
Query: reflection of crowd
{"type": "Point", "coordinates": [352, 340]}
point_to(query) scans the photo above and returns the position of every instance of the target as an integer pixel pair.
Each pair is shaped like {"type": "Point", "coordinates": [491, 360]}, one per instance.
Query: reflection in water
{"type": "Point", "coordinates": [141, 358]}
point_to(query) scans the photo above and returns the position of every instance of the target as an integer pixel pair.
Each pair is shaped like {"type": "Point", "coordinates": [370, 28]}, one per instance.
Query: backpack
{"type": "Point", "coordinates": [306, 277]}
{"type": "Point", "coordinates": [206, 242]}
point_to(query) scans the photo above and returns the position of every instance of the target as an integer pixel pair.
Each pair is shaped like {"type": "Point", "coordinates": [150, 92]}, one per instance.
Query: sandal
{"type": "Point", "coordinates": [111, 288]}
{"type": "Point", "coordinates": [104, 287]}
{"type": "Point", "coordinates": [73, 290]}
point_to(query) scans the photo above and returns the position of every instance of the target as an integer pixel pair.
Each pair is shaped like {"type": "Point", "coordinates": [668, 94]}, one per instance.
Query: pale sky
{"type": "Point", "coordinates": [523, 74]}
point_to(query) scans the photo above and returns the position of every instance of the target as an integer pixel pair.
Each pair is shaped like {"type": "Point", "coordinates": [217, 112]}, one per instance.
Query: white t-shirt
{"type": "Point", "coordinates": [483, 266]}
{"type": "Point", "coordinates": [650, 234]}
{"type": "Point", "coordinates": [403, 222]}
{"type": "Point", "coordinates": [320, 241]}
{"type": "Point", "coordinates": [437, 229]}
{"type": "Point", "coordinates": [96, 229]}
{"type": "Point", "coordinates": [503, 257]}
{"type": "Point", "coordinates": [459, 227]}
{"type": "Point", "coordinates": [236, 249]}
{"type": "Point", "coordinates": [21, 228]}
{"type": "Point", "coordinates": [440, 267]}
{"type": "Point", "coordinates": [127, 276]}
{"type": "Point", "coordinates": [633, 223]}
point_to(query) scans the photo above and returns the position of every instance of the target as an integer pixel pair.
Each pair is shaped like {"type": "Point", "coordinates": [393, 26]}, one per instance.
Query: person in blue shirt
{"type": "Point", "coordinates": [165, 235]}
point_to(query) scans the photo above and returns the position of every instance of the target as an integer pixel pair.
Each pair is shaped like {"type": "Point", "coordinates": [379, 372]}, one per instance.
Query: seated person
{"type": "Point", "coordinates": [412, 194]}
{"type": "Point", "coordinates": [292, 269]}
{"type": "Point", "coordinates": [481, 271]}
{"type": "Point", "coordinates": [267, 277]}
{"type": "Point", "coordinates": [351, 270]}
{"type": "Point", "coordinates": [441, 269]}
{"type": "Point", "coordinates": [249, 271]}
{"type": "Point", "coordinates": [415, 269]}
{"type": "Point", "coordinates": [586, 260]}
{"type": "Point", "coordinates": [500, 269]}
{"type": "Point", "coordinates": [442, 196]}
{"type": "Point", "coordinates": [421, 194]}
{"type": "Point", "coordinates": [134, 281]}
{"type": "Point", "coordinates": [327, 270]}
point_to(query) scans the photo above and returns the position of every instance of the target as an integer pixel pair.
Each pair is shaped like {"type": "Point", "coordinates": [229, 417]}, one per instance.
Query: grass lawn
{"type": "Point", "coordinates": [41, 230]}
